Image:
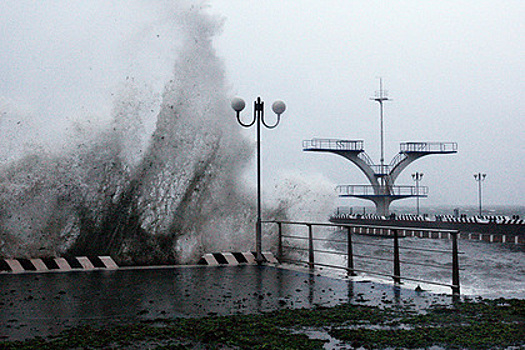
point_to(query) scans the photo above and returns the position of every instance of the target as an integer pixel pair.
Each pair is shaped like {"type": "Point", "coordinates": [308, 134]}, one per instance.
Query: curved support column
{"type": "Point", "coordinates": [382, 205]}
{"type": "Point", "coordinates": [362, 165]}
{"type": "Point", "coordinates": [398, 169]}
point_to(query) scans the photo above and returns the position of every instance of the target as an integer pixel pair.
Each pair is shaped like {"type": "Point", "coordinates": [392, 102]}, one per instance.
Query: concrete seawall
{"type": "Point", "coordinates": [488, 232]}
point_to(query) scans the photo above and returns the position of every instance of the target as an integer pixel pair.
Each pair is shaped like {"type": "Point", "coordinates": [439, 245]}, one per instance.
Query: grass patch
{"type": "Point", "coordinates": [485, 324]}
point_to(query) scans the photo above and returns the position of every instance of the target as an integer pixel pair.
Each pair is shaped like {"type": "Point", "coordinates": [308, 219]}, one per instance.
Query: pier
{"type": "Point", "coordinates": [491, 229]}
{"type": "Point", "coordinates": [382, 190]}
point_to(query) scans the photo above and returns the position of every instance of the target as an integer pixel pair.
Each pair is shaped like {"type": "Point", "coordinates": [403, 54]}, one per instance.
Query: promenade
{"type": "Point", "coordinates": [44, 304]}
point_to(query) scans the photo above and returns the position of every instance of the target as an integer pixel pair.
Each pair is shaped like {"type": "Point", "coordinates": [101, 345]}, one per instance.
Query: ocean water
{"type": "Point", "coordinates": [489, 270]}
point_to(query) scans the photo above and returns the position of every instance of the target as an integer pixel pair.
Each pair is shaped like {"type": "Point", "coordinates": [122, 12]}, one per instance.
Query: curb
{"type": "Point", "coordinates": [235, 258]}
{"type": "Point", "coordinates": [82, 263]}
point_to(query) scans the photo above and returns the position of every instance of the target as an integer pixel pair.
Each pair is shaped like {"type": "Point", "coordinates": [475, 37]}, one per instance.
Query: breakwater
{"type": "Point", "coordinates": [488, 229]}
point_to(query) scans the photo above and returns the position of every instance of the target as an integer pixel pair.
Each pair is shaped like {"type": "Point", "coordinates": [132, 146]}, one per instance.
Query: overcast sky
{"type": "Point", "coordinates": [454, 71]}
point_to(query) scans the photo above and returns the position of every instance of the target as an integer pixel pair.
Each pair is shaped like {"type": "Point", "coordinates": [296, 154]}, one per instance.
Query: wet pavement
{"type": "Point", "coordinates": [46, 303]}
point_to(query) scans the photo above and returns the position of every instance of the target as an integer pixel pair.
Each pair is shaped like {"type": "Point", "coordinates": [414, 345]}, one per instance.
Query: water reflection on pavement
{"type": "Point", "coordinates": [44, 304]}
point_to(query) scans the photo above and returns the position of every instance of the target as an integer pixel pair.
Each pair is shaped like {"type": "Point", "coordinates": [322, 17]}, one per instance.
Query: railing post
{"type": "Point", "coordinates": [350, 252]}
{"type": "Point", "coordinates": [311, 261]}
{"type": "Point", "coordinates": [280, 241]}
{"type": "Point", "coordinates": [397, 265]}
{"type": "Point", "coordinates": [455, 264]}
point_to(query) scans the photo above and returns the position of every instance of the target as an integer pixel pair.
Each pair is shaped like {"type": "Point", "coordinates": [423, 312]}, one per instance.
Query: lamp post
{"type": "Point", "coordinates": [278, 108]}
{"type": "Point", "coordinates": [479, 177]}
{"type": "Point", "coordinates": [417, 178]}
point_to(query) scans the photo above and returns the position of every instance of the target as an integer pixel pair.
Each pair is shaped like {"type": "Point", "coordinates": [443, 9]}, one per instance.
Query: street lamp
{"type": "Point", "coordinates": [278, 108]}
{"type": "Point", "coordinates": [417, 178]}
{"type": "Point", "coordinates": [479, 177]}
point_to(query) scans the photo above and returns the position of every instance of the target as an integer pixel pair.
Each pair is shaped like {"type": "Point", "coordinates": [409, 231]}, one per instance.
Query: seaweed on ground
{"type": "Point", "coordinates": [483, 324]}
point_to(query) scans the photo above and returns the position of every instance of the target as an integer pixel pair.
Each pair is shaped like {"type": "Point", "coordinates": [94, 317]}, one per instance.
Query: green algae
{"type": "Point", "coordinates": [483, 324]}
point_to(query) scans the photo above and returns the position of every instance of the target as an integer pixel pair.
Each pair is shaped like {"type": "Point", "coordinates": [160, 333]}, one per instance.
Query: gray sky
{"type": "Point", "coordinates": [454, 70]}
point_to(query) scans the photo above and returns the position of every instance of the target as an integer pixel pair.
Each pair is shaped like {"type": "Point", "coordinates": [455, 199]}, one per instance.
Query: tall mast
{"type": "Point", "coordinates": [381, 96]}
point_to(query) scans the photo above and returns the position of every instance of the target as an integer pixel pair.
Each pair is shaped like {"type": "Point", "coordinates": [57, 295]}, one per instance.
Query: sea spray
{"type": "Point", "coordinates": [157, 181]}
{"type": "Point", "coordinates": [303, 197]}
{"type": "Point", "coordinates": [165, 198]}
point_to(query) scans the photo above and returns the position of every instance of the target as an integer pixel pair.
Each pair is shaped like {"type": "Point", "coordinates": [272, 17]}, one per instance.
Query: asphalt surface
{"type": "Point", "coordinates": [46, 303]}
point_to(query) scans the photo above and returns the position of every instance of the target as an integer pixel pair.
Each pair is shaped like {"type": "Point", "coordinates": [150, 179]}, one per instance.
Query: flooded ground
{"type": "Point", "coordinates": [44, 304]}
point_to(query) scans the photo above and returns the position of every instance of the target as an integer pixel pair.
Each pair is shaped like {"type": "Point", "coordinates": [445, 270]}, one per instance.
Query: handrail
{"type": "Point", "coordinates": [369, 190]}
{"type": "Point", "coordinates": [333, 145]}
{"type": "Point", "coordinates": [378, 169]}
{"type": "Point", "coordinates": [329, 224]}
{"type": "Point", "coordinates": [366, 158]}
{"type": "Point", "coordinates": [375, 244]}
{"type": "Point", "coordinates": [381, 169]}
{"type": "Point", "coordinates": [397, 159]}
{"type": "Point", "coordinates": [396, 275]}
{"type": "Point", "coordinates": [431, 147]}
{"type": "Point", "coordinates": [369, 257]}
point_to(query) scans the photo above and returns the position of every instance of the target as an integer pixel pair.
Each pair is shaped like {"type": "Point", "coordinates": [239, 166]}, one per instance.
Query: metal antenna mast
{"type": "Point", "coordinates": [381, 96]}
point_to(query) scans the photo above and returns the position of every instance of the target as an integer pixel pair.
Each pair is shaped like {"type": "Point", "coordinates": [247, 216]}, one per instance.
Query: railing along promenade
{"type": "Point", "coordinates": [285, 242]}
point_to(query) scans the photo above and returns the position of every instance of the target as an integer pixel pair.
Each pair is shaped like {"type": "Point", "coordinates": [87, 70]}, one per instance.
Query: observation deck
{"type": "Point", "coordinates": [381, 177]}
{"type": "Point", "coordinates": [429, 147]}
{"type": "Point", "coordinates": [393, 192]}
{"type": "Point", "coordinates": [324, 145]}
{"type": "Point", "coordinates": [355, 148]}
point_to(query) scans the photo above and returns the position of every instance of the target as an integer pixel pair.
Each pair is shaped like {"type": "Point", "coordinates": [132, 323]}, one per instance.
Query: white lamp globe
{"type": "Point", "coordinates": [278, 107]}
{"type": "Point", "coordinates": [238, 104]}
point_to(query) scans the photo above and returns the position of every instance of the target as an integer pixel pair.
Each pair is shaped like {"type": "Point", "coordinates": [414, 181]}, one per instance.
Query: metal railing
{"type": "Point", "coordinates": [397, 159]}
{"type": "Point", "coordinates": [433, 147]}
{"type": "Point", "coordinates": [352, 229]}
{"type": "Point", "coordinates": [381, 170]}
{"type": "Point", "coordinates": [333, 145]}
{"type": "Point", "coordinates": [369, 190]}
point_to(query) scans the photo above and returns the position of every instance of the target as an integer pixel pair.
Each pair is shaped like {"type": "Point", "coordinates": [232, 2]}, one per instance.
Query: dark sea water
{"type": "Point", "coordinates": [489, 270]}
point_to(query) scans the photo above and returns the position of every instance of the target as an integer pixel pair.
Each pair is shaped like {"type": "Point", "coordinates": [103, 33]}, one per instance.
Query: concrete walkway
{"type": "Point", "coordinates": [45, 304]}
